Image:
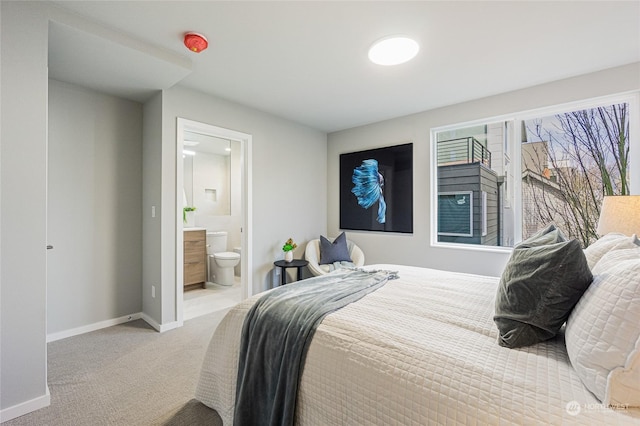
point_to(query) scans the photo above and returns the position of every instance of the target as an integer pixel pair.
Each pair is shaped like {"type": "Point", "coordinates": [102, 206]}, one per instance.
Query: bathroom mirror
{"type": "Point", "coordinates": [207, 174]}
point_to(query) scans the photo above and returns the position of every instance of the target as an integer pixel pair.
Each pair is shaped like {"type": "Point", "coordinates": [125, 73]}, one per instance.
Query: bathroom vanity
{"type": "Point", "coordinates": [195, 258]}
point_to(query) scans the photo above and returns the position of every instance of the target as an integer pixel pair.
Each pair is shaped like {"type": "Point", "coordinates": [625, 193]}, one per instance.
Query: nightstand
{"type": "Point", "coordinates": [295, 263]}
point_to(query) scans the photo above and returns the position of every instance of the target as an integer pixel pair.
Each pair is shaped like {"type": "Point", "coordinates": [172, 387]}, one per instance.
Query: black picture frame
{"type": "Point", "coordinates": [395, 172]}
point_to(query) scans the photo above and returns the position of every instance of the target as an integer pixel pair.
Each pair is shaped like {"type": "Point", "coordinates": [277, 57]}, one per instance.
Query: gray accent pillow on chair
{"type": "Point", "coordinates": [545, 277]}
{"type": "Point", "coordinates": [336, 251]}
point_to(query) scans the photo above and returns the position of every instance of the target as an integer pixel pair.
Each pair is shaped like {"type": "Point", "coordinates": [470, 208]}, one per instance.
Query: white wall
{"type": "Point", "coordinates": [230, 222]}
{"type": "Point", "coordinates": [211, 172]}
{"type": "Point", "coordinates": [414, 249]}
{"type": "Point", "coordinates": [94, 209]}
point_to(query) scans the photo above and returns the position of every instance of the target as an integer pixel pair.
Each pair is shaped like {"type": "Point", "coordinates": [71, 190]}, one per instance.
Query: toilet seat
{"type": "Point", "coordinates": [226, 255]}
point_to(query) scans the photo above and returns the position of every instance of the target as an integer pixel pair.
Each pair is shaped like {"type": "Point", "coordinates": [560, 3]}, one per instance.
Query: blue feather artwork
{"type": "Point", "coordinates": [368, 184]}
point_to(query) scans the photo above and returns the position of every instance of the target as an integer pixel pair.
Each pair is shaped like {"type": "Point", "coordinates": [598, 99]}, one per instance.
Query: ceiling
{"type": "Point", "coordinates": [207, 144]}
{"type": "Point", "coordinates": [307, 61]}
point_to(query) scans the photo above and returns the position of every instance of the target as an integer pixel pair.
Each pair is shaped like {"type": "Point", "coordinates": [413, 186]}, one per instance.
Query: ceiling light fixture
{"type": "Point", "coordinates": [195, 42]}
{"type": "Point", "coordinates": [393, 50]}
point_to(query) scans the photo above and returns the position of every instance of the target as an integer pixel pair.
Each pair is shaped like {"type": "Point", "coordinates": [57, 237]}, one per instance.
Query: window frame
{"type": "Point", "coordinates": [483, 212]}
{"type": "Point", "coordinates": [515, 157]}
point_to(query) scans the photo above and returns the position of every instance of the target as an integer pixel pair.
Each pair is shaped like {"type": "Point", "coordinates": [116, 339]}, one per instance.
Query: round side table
{"type": "Point", "coordinates": [295, 263]}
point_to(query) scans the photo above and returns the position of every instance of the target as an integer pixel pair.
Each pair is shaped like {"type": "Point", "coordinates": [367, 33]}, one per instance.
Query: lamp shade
{"type": "Point", "coordinates": [620, 213]}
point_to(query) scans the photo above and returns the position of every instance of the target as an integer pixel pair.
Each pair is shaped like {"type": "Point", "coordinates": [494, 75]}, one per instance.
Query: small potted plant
{"type": "Point", "coordinates": [288, 250]}
{"type": "Point", "coordinates": [188, 215]}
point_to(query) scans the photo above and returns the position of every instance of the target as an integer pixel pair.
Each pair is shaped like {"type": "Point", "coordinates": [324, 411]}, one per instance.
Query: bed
{"type": "Point", "coordinates": [419, 350]}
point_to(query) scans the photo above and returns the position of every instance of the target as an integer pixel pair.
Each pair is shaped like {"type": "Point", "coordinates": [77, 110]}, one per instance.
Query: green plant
{"type": "Point", "coordinates": [289, 245]}
{"type": "Point", "coordinates": [184, 212]}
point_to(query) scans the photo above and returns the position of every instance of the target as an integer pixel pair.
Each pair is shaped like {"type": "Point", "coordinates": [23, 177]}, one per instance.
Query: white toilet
{"type": "Point", "coordinates": [221, 262]}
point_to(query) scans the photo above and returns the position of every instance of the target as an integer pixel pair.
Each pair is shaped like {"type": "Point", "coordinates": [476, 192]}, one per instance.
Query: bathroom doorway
{"type": "Point", "coordinates": [213, 205]}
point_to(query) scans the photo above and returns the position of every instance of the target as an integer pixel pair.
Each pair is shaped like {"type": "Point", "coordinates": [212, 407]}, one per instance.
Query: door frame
{"type": "Point", "coordinates": [246, 260]}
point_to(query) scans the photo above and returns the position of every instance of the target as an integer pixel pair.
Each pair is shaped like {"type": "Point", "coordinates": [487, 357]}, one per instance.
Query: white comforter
{"type": "Point", "coordinates": [421, 350]}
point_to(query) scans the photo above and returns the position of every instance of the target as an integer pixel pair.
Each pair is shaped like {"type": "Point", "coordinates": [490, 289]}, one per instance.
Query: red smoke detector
{"type": "Point", "coordinates": [195, 42]}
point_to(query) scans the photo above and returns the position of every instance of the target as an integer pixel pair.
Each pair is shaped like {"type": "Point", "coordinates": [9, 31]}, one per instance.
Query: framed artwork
{"type": "Point", "coordinates": [376, 189]}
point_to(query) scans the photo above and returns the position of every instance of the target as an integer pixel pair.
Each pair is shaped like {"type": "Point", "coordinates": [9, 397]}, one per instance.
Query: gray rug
{"type": "Point", "coordinates": [128, 375]}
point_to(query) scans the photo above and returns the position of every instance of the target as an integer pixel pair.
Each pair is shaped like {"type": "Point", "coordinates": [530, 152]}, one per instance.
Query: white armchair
{"type": "Point", "coordinates": [312, 254]}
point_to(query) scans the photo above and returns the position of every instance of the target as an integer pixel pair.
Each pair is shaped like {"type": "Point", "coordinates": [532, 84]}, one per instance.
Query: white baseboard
{"type": "Point", "coordinates": [160, 327]}
{"type": "Point", "coordinates": [52, 337]}
{"type": "Point", "coordinates": [25, 407]}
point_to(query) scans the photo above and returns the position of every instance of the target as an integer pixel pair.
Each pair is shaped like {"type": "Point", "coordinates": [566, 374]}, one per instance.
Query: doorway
{"type": "Point", "coordinates": [213, 183]}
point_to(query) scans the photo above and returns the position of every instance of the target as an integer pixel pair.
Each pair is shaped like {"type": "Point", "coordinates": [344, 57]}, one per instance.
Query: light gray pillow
{"type": "Point", "coordinates": [545, 277]}
{"type": "Point", "coordinates": [336, 251]}
{"type": "Point", "coordinates": [607, 243]}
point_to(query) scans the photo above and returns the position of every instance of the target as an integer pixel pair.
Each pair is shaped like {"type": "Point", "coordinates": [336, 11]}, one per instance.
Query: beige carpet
{"type": "Point", "coordinates": [127, 375]}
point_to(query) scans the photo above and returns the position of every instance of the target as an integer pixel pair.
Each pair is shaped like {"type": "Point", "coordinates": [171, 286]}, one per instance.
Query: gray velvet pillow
{"type": "Point", "coordinates": [542, 282]}
{"type": "Point", "coordinates": [334, 252]}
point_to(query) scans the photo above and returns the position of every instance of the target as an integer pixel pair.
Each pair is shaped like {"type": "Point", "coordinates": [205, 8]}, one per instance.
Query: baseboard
{"type": "Point", "coordinates": [52, 337]}
{"type": "Point", "coordinates": [25, 407]}
{"type": "Point", "coordinates": [160, 327]}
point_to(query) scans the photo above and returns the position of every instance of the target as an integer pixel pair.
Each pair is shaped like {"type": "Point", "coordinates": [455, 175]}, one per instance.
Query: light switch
{"type": "Point", "coordinates": [153, 211]}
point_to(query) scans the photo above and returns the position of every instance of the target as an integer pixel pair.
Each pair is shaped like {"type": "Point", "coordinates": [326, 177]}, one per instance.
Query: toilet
{"type": "Point", "coordinates": [221, 262]}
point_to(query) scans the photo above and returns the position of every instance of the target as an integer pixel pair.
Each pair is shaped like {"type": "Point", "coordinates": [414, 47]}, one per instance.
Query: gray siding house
{"type": "Point", "coordinates": [469, 203]}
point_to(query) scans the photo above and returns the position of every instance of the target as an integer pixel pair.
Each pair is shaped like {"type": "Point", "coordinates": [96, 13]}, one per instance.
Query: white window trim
{"type": "Point", "coordinates": [483, 212]}
{"type": "Point", "coordinates": [630, 97]}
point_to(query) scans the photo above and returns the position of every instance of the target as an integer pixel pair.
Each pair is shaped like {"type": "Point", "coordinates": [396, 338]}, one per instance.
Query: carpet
{"type": "Point", "coordinates": [127, 374]}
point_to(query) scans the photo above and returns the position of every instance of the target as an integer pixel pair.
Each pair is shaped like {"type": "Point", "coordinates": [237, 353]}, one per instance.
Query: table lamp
{"type": "Point", "coordinates": [620, 213]}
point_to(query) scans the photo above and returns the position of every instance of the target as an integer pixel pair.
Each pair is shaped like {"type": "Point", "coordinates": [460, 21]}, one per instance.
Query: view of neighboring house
{"type": "Point", "coordinates": [474, 200]}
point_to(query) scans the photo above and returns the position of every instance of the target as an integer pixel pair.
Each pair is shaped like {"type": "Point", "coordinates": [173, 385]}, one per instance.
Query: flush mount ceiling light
{"type": "Point", "coordinates": [393, 50]}
{"type": "Point", "coordinates": [195, 42]}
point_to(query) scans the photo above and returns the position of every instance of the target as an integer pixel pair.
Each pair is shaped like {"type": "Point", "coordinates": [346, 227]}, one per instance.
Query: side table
{"type": "Point", "coordinates": [295, 263]}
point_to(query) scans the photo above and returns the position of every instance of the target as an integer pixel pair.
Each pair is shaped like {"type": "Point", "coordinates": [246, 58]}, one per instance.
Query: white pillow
{"type": "Point", "coordinates": [607, 243]}
{"type": "Point", "coordinates": [603, 331]}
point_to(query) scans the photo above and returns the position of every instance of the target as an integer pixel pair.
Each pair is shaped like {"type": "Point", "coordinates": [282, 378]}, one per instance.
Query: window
{"type": "Point", "coordinates": [524, 172]}
{"type": "Point", "coordinates": [455, 214]}
{"type": "Point", "coordinates": [570, 161]}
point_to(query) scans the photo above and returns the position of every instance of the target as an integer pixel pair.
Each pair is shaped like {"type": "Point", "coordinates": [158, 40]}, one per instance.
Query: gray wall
{"type": "Point", "coordinates": [23, 156]}
{"type": "Point", "coordinates": [94, 210]}
{"type": "Point", "coordinates": [288, 180]}
{"type": "Point", "coordinates": [152, 191]}
{"type": "Point", "coordinates": [414, 249]}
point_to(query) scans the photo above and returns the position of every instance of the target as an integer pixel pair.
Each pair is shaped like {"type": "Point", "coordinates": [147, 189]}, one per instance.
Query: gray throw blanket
{"type": "Point", "coordinates": [276, 335]}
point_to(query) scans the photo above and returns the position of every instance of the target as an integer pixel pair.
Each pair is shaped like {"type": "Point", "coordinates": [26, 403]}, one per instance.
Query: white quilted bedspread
{"type": "Point", "coordinates": [421, 350]}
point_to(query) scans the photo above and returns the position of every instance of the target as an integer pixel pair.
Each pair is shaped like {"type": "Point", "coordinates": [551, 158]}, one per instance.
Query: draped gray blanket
{"type": "Point", "coordinates": [276, 335]}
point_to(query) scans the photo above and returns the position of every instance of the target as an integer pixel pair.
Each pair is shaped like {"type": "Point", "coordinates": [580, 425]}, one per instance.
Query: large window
{"type": "Point", "coordinates": [566, 160]}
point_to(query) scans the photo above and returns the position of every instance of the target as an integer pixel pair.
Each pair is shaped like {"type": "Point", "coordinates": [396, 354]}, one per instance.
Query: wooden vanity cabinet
{"type": "Point", "coordinates": [195, 259]}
